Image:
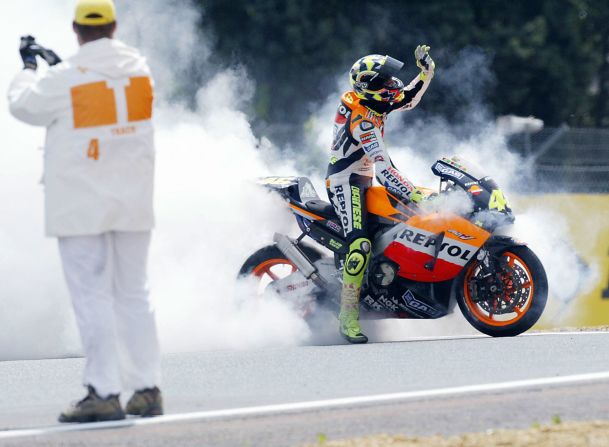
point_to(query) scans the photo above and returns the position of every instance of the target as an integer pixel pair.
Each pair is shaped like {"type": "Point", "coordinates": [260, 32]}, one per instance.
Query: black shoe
{"type": "Point", "coordinates": [94, 409]}
{"type": "Point", "coordinates": [146, 403]}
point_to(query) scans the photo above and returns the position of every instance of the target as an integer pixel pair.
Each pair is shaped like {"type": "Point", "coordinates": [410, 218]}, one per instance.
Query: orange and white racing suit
{"type": "Point", "coordinates": [358, 151]}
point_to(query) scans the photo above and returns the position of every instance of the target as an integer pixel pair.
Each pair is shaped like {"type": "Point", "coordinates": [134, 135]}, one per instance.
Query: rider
{"type": "Point", "coordinates": [357, 146]}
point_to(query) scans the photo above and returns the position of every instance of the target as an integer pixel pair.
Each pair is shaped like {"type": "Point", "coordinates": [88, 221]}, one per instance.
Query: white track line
{"type": "Point", "coordinates": [476, 336]}
{"type": "Point", "coordinates": [311, 405]}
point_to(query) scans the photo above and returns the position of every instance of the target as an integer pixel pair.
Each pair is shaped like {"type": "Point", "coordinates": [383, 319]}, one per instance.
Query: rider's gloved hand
{"type": "Point", "coordinates": [27, 49]}
{"type": "Point", "coordinates": [424, 61]}
{"type": "Point", "coordinates": [415, 196]}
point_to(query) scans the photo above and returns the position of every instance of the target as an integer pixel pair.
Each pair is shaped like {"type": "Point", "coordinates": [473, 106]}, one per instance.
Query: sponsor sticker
{"type": "Point", "coordinates": [357, 207]}
{"type": "Point", "coordinates": [355, 264]}
{"type": "Point", "coordinates": [335, 244]}
{"type": "Point", "coordinates": [334, 226]}
{"type": "Point", "coordinates": [370, 147]}
{"type": "Point", "coordinates": [366, 125]}
{"type": "Point", "coordinates": [389, 304]}
{"type": "Point", "coordinates": [339, 194]}
{"type": "Point", "coordinates": [307, 191]}
{"type": "Point", "coordinates": [367, 137]}
{"type": "Point", "coordinates": [453, 251]}
{"type": "Point", "coordinates": [475, 190]}
{"type": "Point", "coordinates": [462, 236]}
{"type": "Point", "coordinates": [449, 171]}
{"type": "Point", "coordinates": [411, 302]}
{"type": "Point", "coordinates": [395, 181]}
{"type": "Point", "coordinates": [379, 158]}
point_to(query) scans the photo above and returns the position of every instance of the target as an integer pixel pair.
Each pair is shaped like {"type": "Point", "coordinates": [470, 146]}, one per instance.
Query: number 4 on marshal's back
{"type": "Point", "coordinates": [93, 150]}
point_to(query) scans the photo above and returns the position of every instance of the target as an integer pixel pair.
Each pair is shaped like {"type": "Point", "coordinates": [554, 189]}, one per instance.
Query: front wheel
{"type": "Point", "coordinates": [508, 301]}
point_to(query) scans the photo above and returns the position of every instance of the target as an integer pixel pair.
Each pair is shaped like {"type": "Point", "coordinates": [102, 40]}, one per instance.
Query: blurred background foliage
{"type": "Point", "coordinates": [546, 58]}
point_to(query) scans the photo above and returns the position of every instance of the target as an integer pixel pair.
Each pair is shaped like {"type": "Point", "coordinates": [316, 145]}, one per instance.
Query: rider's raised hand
{"type": "Point", "coordinates": [424, 61]}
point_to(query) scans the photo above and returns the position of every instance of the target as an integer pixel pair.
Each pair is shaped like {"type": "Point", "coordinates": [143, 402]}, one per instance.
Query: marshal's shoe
{"type": "Point", "coordinates": [94, 409]}
{"type": "Point", "coordinates": [146, 403]}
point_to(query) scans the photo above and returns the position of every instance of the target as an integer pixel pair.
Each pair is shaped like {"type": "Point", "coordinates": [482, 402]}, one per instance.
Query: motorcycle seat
{"type": "Point", "coordinates": [321, 208]}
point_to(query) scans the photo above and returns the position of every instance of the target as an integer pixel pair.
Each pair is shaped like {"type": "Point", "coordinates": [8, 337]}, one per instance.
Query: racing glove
{"type": "Point", "coordinates": [424, 61]}
{"type": "Point", "coordinates": [27, 49]}
{"type": "Point", "coordinates": [415, 196]}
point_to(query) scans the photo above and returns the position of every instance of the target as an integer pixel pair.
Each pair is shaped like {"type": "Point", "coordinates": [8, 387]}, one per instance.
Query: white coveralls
{"type": "Point", "coordinates": [98, 178]}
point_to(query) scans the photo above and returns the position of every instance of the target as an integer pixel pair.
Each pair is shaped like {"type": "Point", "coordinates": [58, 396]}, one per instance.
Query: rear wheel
{"type": "Point", "coordinates": [510, 300]}
{"type": "Point", "coordinates": [269, 264]}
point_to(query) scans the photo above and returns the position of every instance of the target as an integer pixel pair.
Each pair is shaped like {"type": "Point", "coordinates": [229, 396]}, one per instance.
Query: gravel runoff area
{"type": "Point", "coordinates": [560, 434]}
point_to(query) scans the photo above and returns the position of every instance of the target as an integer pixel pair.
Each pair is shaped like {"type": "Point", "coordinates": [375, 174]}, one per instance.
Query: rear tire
{"type": "Point", "coordinates": [523, 279]}
{"type": "Point", "coordinates": [270, 261]}
{"type": "Point", "coordinates": [271, 252]}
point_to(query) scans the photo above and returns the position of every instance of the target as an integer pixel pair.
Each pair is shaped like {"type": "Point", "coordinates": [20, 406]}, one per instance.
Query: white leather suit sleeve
{"type": "Point", "coordinates": [372, 142]}
{"type": "Point", "coordinates": [414, 92]}
{"type": "Point", "coordinates": [35, 100]}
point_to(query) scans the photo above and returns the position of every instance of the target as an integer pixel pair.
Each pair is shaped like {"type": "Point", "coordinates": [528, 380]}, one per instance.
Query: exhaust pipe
{"type": "Point", "coordinates": [300, 260]}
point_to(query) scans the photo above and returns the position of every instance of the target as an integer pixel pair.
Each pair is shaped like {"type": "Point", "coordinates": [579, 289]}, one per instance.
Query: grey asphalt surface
{"type": "Point", "coordinates": [33, 392]}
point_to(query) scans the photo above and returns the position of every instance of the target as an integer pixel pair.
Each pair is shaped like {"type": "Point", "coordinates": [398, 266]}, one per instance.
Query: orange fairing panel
{"type": "Point", "coordinates": [454, 227]}
{"type": "Point", "coordinates": [377, 202]}
{"type": "Point", "coordinates": [415, 246]}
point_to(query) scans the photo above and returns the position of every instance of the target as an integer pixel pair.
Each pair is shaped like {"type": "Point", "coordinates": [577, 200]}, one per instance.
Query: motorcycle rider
{"type": "Point", "coordinates": [357, 146]}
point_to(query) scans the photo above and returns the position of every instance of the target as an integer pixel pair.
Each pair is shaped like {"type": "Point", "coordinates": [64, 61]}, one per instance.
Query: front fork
{"type": "Point", "coordinates": [489, 261]}
{"type": "Point", "coordinates": [489, 278]}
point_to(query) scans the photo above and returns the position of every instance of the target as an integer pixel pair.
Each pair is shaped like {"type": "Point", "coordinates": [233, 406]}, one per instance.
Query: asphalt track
{"type": "Point", "coordinates": [286, 397]}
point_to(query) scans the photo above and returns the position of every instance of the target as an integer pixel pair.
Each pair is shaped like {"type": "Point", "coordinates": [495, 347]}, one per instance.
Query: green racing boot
{"type": "Point", "coordinates": [350, 328]}
{"type": "Point", "coordinates": [353, 274]}
{"type": "Point", "coordinates": [93, 408]}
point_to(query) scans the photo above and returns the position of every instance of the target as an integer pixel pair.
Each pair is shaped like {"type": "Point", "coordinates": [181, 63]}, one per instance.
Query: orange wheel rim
{"type": "Point", "coordinates": [498, 319]}
{"type": "Point", "coordinates": [273, 269]}
{"type": "Point", "coordinates": [266, 267]}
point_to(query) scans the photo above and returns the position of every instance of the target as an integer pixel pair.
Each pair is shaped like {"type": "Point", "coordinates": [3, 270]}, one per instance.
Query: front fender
{"type": "Point", "coordinates": [498, 243]}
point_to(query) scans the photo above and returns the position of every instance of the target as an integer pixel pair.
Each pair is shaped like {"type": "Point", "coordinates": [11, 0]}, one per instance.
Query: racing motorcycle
{"type": "Point", "coordinates": [423, 261]}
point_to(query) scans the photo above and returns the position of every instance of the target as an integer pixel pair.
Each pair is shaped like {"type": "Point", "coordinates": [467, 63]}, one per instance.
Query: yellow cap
{"type": "Point", "coordinates": [95, 12]}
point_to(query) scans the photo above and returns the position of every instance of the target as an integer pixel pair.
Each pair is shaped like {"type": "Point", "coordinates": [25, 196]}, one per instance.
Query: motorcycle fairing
{"type": "Point", "coordinates": [435, 247]}
{"type": "Point", "coordinates": [379, 202]}
{"type": "Point", "coordinates": [314, 216]}
{"type": "Point", "coordinates": [409, 299]}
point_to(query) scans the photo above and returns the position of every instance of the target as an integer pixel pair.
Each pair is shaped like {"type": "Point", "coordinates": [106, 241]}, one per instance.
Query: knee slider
{"type": "Point", "coordinates": [357, 258]}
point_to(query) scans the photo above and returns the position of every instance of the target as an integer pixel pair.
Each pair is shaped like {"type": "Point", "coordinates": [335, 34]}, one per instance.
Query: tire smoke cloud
{"type": "Point", "coordinates": [210, 215]}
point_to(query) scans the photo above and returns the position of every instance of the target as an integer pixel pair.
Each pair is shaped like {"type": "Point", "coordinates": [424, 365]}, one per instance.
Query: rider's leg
{"type": "Point", "coordinates": [348, 199]}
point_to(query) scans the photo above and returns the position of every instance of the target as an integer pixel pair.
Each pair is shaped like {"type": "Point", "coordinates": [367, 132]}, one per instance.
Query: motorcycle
{"type": "Point", "coordinates": [423, 261]}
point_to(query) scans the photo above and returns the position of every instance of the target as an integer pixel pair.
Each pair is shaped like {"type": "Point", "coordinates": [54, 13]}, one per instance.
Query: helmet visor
{"type": "Point", "coordinates": [391, 67]}
{"type": "Point", "coordinates": [386, 75]}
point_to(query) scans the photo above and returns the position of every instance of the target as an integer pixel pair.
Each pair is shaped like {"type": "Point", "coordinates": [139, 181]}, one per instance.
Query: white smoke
{"type": "Point", "coordinates": [210, 215]}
